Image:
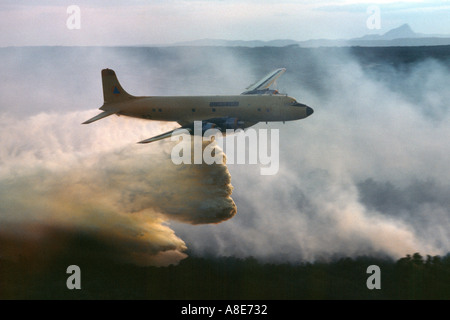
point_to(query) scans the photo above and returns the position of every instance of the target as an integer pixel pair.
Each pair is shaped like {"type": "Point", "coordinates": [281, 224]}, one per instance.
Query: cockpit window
{"type": "Point", "coordinates": [297, 104]}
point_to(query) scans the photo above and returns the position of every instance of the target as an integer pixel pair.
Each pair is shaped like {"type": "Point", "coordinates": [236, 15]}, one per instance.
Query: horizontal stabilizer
{"type": "Point", "coordinates": [102, 115]}
{"type": "Point", "coordinates": [165, 135]}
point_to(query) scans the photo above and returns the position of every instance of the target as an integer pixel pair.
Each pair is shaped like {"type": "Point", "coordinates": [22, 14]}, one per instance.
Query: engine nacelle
{"type": "Point", "coordinates": [208, 125]}
{"type": "Point", "coordinates": [223, 124]}
{"type": "Point", "coordinates": [233, 123]}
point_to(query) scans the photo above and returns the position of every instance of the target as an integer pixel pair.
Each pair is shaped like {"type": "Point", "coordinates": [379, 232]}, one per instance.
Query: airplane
{"type": "Point", "coordinates": [258, 103]}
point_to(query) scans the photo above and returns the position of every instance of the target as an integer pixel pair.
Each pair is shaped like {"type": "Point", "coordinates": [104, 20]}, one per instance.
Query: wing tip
{"type": "Point", "coordinates": [165, 135]}
{"type": "Point", "coordinates": [265, 81]}
{"type": "Point", "coordinates": [146, 141]}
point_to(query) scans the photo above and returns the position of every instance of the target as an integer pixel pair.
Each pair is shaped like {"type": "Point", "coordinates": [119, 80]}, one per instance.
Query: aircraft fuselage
{"type": "Point", "coordinates": [223, 112]}
{"type": "Point", "coordinates": [249, 108]}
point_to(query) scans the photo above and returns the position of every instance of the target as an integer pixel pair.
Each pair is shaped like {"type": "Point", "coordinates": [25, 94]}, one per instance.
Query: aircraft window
{"type": "Point", "coordinates": [213, 109]}
{"type": "Point", "coordinates": [193, 110]}
{"type": "Point", "coordinates": [297, 104]}
{"type": "Point", "coordinates": [160, 110]}
{"type": "Point", "coordinates": [259, 109]}
{"type": "Point", "coordinates": [154, 110]}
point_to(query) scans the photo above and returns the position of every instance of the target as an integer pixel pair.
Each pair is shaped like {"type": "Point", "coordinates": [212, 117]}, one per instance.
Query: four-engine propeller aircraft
{"type": "Point", "coordinates": [257, 104]}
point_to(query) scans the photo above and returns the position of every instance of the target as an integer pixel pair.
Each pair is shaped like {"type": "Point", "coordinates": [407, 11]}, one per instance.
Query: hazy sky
{"type": "Point", "coordinates": [135, 22]}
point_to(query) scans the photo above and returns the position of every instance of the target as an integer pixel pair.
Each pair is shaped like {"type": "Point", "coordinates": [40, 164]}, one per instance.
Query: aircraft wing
{"type": "Point", "coordinates": [265, 82]}
{"type": "Point", "coordinates": [165, 135]}
{"type": "Point", "coordinates": [221, 124]}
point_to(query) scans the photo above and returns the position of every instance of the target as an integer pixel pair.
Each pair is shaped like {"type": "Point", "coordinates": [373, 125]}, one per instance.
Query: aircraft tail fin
{"type": "Point", "coordinates": [112, 90]}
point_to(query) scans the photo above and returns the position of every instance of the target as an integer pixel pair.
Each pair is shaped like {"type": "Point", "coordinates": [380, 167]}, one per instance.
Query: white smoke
{"type": "Point", "coordinates": [362, 128]}
{"type": "Point", "coordinates": [60, 178]}
{"type": "Point", "coordinates": [366, 174]}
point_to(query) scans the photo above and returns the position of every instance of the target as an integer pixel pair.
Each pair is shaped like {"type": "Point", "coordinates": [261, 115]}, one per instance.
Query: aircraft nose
{"type": "Point", "coordinates": [309, 111]}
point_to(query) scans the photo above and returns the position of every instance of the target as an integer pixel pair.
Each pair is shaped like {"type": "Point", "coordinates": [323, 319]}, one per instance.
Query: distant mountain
{"type": "Point", "coordinates": [237, 43]}
{"type": "Point", "coordinates": [402, 32]}
{"type": "Point", "coordinates": [400, 36]}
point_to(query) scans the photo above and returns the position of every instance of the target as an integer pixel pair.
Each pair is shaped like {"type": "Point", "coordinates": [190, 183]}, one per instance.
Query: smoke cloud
{"type": "Point", "coordinates": [366, 174]}
{"type": "Point", "coordinates": [117, 196]}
